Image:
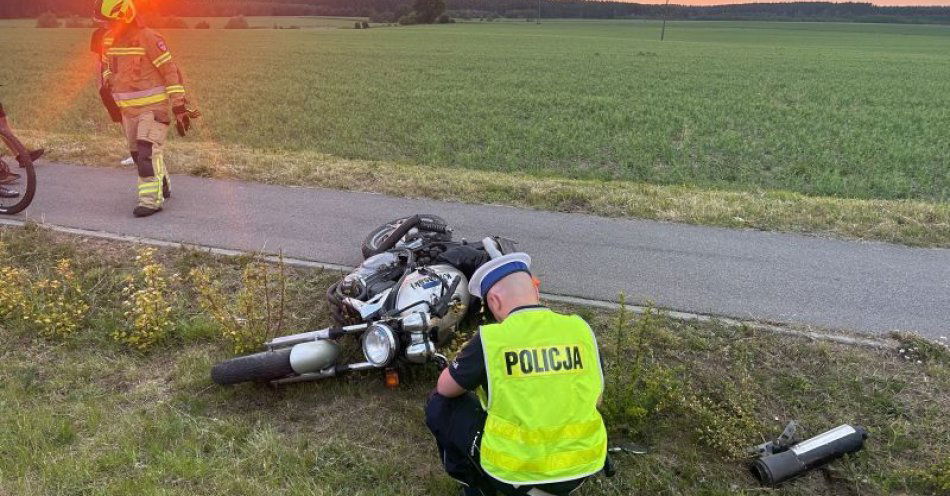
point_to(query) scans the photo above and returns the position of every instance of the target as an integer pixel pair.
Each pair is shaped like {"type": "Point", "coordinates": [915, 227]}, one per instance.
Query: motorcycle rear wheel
{"type": "Point", "coordinates": [259, 367]}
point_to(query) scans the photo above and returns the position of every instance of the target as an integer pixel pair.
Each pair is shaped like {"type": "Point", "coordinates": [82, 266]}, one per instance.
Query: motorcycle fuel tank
{"type": "Point", "coordinates": [427, 285]}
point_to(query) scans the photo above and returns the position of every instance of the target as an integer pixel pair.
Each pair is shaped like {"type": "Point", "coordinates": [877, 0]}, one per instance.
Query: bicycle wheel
{"type": "Point", "coordinates": [25, 189]}
{"type": "Point", "coordinates": [14, 198]}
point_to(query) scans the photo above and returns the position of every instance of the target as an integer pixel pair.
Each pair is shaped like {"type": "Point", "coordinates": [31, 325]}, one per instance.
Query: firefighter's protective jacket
{"type": "Point", "coordinates": [138, 68]}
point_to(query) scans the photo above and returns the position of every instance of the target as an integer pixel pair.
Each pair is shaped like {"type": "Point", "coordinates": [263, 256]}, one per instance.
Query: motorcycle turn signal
{"type": "Point", "coordinates": [392, 379]}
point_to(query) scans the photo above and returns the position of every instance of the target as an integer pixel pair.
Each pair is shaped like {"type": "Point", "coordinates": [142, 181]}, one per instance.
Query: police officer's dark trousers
{"type": "Point", "coordinates": [457, 425]}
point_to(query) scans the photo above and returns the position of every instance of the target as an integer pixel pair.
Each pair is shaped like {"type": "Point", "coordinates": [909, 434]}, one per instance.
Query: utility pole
{"type": "Point", "coordinates": [666, 13]}
{"type": "Point", "coordinates": [539, 11]}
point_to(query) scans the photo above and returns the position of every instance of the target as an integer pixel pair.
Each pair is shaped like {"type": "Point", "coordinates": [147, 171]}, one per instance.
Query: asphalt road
{"type": "Point", "coordinates": [868, 287]}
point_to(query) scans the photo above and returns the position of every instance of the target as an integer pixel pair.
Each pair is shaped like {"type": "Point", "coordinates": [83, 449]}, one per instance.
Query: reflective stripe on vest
{"type": "Point", "coordinates": [544, 380]}
{"type": "Point", "coordinates": [162, 59]}
{"type": "Point", "coordinates": [120, 52]}
{"type": "Point", "coordinates": [140, 98]}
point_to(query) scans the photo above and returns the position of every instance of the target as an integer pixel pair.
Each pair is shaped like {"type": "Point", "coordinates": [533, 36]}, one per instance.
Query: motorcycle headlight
{"type": "Point", "coordinates": [379, 345]}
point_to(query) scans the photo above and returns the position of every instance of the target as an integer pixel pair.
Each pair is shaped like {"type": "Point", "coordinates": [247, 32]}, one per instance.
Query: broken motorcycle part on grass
{"type": "Point", "coordinates": [784, 458]}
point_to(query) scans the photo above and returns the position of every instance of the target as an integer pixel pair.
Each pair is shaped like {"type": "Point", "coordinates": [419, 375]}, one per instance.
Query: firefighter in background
{"type": "Point", "coordinates": [139, 79]}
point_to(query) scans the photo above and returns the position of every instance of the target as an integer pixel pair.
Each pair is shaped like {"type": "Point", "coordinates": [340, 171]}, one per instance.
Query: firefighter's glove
{"type": "Point", "coordinates": [183, 116]}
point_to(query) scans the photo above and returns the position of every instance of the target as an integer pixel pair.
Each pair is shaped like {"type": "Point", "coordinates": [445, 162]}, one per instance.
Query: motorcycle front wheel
{"type": "Point", "coordinates": [259, 367]}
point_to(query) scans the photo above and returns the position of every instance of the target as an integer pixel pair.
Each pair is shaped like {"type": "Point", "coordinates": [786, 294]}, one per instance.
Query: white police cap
{"type": "Point", "coordinates": [497, 269]}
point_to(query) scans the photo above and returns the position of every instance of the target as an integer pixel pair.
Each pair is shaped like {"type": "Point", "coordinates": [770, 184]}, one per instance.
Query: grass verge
{"type": "Point", "coordinates": [913, 223]}
{"type": "Point", "coordinates": [83, 413]}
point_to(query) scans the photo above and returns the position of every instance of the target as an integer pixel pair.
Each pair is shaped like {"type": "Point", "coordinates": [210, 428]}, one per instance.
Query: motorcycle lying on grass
{"type": "Point", "coordinates": [403, 304]}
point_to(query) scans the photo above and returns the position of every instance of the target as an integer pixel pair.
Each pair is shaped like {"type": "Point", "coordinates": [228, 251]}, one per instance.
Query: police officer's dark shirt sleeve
{"type": "Point", "coordinates": [468, 368]}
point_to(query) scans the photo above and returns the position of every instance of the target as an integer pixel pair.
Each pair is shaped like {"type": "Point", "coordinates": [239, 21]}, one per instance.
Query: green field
{"type": "Point", "coordinates": [82, 414]}
{"type": "Point", "coordinates": [843, 113]}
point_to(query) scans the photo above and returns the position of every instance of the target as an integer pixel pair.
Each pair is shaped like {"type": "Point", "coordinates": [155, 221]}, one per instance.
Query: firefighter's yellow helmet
{"type": "Point", "coordinates": [115, 10]}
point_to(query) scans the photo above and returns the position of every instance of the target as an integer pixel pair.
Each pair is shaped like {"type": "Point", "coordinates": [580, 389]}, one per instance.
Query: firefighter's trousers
{"type": "Point", "coordinates": [146, 130]}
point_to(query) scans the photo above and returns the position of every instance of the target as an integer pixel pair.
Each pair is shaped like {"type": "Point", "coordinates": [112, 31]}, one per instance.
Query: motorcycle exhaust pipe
{"type": "Point", "coordinates": [325, 373]}
{"type": "Point", "coordinates": [774, 469]}
{"type": "Point", "coordinates": [314, 356]}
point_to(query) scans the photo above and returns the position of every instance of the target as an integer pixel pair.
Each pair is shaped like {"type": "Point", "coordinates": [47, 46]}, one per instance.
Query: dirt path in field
{"type": "Point", "coordinates": [785, 278]}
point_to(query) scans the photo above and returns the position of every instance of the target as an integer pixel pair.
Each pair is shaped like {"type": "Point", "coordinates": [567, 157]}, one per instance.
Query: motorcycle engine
{"type": "Point", "coordinates": [375, 275]}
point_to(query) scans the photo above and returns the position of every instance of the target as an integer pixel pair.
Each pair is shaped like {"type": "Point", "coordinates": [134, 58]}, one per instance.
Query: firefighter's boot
{"type": "Point", "coordinates": [143, 211]}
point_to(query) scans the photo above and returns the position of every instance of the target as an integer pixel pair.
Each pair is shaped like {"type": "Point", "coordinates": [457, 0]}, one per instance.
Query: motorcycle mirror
{"type": "Point", "coordinates": [491, 246]}
{"type": "Point", "coordinates": [506, 245]}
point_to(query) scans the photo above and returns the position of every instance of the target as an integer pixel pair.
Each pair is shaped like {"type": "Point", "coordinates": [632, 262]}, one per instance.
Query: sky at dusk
{"type": "Point", "coordinates": [922, 3]}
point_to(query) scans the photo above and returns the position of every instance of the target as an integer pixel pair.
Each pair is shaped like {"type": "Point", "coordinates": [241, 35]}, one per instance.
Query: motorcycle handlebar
{"type": "Point", "coordinates": [425, 225]}
{"type": "Point", "coordinates": [328, 333]}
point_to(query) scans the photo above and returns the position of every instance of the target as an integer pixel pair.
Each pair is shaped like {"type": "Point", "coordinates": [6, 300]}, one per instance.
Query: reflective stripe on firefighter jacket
{"type": "Point", "coordinates": [141, 71]}
{"type": "Point", "coordinates": [544, 381]}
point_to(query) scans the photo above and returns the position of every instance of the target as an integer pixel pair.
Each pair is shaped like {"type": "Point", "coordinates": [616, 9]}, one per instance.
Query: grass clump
{"type": "Point", "coordinates": [148, 306]}
{"type": "Point", "coordinates": [920, 350]}
{"type": "Point", "coordinates": [934, 478]}
{"type": "Point", "coordinates": [59, 306]}
{"type": "Point", "coordinates": [13, 284]}
{"type": "Point", "coordinates": [251, 314]}
{"type": "Point", "coordinates": [641, 389]}
{"type": "Point", "coordinates": [54, 306]}
{"type": "Point", "coordinates": [637, 387]}
{"type": "Point", "coordinates": [723, 412]}
{"type": "Point", "coordinates": [14, 302]}
{"type": "Point", "coordinates": [58, 290]}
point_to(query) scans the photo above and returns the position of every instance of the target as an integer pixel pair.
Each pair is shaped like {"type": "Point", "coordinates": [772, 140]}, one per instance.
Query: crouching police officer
{"type": "Point", "coordinates": [138, 79]}
{"type": "Point", "coordinates": [534, 428]}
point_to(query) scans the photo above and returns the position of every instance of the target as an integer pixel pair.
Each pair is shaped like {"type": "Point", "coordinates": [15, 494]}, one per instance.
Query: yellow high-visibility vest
{"type": "Point", "coordinates": [544, 380]}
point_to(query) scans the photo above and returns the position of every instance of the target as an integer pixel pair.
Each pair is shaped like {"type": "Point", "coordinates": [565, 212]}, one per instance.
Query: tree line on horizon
{"type": "Point", "coordinates": [570, 9]}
